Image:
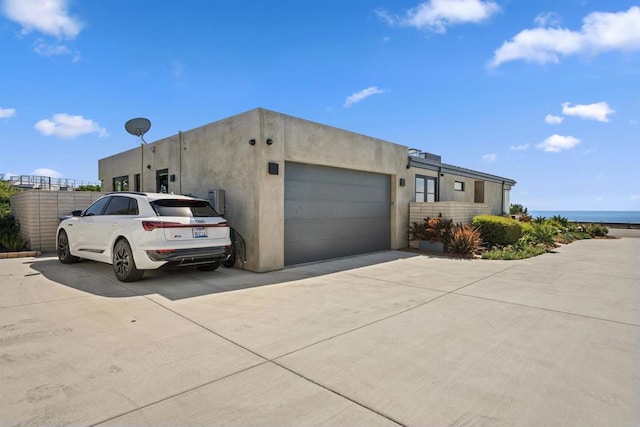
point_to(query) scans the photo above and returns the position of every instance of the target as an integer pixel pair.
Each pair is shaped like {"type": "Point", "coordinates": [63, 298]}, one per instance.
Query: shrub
{"type": "Point", "coordinates": [89, 187]}
{"type": "Point", "coordinates": [465, 240]}
{"type": "Point", "coordinates": [511, 252]}
{"type": "Point", "coordinates": [9, 226]}
{"type": "Point", "coordinates": [544, 234]}
{"type": "Point", "coordinates": [498, 230]}
{"type": "Point", "coordinates": [433, 229]}
{"type": "Point", "coordinates": [597, 230]}
{"type": "Point", "coordinates": [539, 220]}
{"type": "Point", "coordinates": [13, 242]}
{"type": "Point", "coordinates": [559, 220]}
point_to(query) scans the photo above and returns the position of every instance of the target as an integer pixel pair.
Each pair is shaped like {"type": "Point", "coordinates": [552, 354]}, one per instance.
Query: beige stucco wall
{"type": "Point", "coordinates": [219, 155]}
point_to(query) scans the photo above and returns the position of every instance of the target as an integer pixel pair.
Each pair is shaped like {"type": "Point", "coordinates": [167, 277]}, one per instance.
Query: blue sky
{"type": "Point", "coordinates": [543, 92]}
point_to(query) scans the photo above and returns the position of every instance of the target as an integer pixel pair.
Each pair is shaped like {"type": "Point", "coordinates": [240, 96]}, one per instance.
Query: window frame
{"type": "Point", "coordinates": [121, 179]}
{"type": "Point", "coordinates": [425, 186]}
{"type": "Point", "coordinates": [455, 185]}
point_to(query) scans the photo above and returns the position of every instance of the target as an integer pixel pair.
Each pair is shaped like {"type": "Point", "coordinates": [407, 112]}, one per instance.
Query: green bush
{"type": "Point", "coordinates": [89, 187]}
{"type": "Point", "coordinates": [597, 230]}
{"type": "Point", "coordinates": [511, 252]}
{"type": "Point", "coordinates": [9, 226]}
{"type": "Point", "coordinates": [544, 234]}
{"type": "Point", "coordinates": [14, 242]}
{"type": "Point", "coordinates": [498, 230]}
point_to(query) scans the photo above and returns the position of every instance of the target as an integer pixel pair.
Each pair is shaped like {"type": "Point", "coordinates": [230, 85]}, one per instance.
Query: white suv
{"type": "Point", "coordinates": [143, 231]}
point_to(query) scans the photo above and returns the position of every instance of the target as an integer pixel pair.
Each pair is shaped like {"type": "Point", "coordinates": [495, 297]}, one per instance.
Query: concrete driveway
{"type": "Point", "coordinates": [382, 339]}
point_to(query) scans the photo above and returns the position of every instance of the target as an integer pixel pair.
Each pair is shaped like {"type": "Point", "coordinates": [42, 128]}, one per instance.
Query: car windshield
{"type": "Point", "coordinates": [183, 207]}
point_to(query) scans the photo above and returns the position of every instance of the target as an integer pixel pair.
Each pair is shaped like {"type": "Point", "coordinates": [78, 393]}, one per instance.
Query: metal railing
{"type": "Point", "coordinates": [33, 182]}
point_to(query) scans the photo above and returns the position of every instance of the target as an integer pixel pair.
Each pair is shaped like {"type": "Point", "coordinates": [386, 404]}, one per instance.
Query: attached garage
{"type": "Point", "coordinates": [332, 212]}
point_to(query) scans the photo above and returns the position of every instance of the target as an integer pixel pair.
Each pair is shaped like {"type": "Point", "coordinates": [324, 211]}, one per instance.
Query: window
{"type": "Point", "coordinates": [185, 208]}
{"type": "Point", "coordinates": [458, 185]}
{"type": "Point", "coordinates": [136, 182]}
{"type": "Point", "coordinates": [97, 207]}
{"type": "Point", "coordinates": [122, 206]}
{"type": "Point", "coordinates": [425, 189]}
{"type": "Point", "coordinates": [162, 181]}
{"type": "Point", "coordinates": [121, 183]}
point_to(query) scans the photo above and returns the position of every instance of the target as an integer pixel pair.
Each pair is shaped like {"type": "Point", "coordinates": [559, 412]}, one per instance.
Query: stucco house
{"type": "Point", "coordinates": [300, 191]}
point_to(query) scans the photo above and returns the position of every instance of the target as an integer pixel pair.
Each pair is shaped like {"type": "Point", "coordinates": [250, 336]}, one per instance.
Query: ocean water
{"type": "Point", "coordinates": [593, 216]}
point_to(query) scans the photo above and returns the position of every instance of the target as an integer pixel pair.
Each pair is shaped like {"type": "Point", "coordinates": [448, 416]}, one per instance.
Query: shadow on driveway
{"type": "Point", "coordinates": [98, 278]}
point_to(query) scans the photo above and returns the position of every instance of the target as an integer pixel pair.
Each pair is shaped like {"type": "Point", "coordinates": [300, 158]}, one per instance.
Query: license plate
{"type": "Point", "coordinates": [200, 232]}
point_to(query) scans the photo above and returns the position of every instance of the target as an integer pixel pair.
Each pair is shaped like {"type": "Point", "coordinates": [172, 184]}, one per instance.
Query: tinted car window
{"type": "Point", "coordinates": [189, 208]}
{"type": "Point", "coordinates": [120, 205]}
{"type": "Point", "coordinates": [97, 207]}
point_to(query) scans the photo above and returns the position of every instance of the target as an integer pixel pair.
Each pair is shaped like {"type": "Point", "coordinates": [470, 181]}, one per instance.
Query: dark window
{"type": "Point", "coordinates": [136, 182]}
{"type": "Point", "coordinates": [425, 189]}
{"type": "Point", "coordinates": [121, 183]}
{"type": "Point", "coordinates": [122, 206]}
{"type": "Point", "coordinates": [162, 181]}
{"type": "Point", "coordinates": [97, 207]}
{"type": "Point", "coordinates": [458, 185]}
{"type": "Point", "coordinates": [185, 208]}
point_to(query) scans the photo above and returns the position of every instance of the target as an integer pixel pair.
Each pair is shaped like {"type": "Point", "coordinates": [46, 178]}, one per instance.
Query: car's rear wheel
{"type": "Point", "coordinates": [64, 253]}
{"type": "Point", "coordinates": [208, 267]}
{"type": "Point", "coordinates": [124, 265]}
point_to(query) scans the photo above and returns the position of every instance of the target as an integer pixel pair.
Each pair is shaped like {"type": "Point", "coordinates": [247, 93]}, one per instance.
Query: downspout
{"type": "Point", "coordinates": [180, 162]}
{"type": "Point", "coordinates": [438, 181]}
{"type": "Point", "coordinates": [502, 204]}
{"type": "Point", "coordinates": [141, 168]}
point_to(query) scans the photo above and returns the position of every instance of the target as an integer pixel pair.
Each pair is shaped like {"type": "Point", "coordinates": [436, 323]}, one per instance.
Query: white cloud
{"type": "Point", "coordinates": [436, 15]}
{"type": "Point", "coordinates": [553, 120]}
{"type": "Point", "coordinates": [7, 112]}
{"type": "Point", "coordinates": [46, 172]}
{"type": "Point", "coordinates": [44, 49]}
{"type": "Point", "coordinates": [598, 111]}
{"type": "Point", "coordinates": [359, 96]}
{"type": "Point", "coordinates": [66, 126]}
{"type": "Point", "coordinates": [556, 143]}
{"type": "Point", "coordinates": [600, 32]}
{"type": "Point", "coordinates": [490, 157]}
{"type": "Point", "coordinates": [547, 19]}
{"type": "Point", "coordinates": [520, 147]}
{"type": "Point", "coordinates": [49, 17]}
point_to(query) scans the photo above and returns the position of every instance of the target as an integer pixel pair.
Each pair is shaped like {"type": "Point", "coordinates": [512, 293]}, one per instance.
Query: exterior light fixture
{"type": "Point", "coordinates": [252, 142]}
{"type": "Point", "coordinates": [269, 141]}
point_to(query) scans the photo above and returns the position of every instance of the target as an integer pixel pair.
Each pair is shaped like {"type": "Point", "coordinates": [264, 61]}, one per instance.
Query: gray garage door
{"type": "Point", "coordinates": [331, 212]}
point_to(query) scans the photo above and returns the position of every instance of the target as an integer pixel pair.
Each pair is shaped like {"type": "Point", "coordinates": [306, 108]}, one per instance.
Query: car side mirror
{"type": "Point", "coordinates": [76, 213]}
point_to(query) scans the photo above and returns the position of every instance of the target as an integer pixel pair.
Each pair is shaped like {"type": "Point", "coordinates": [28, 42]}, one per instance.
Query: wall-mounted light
{"type": "Point", "coordinates": [252, 142]}
{"type": "Point", "coordinates": [273, 169]}
{"type": "Point", "coordinates": [403, 182]}
{"type": "Point", "coordinates": [269, 141]}
{"type": "Point", "coordinates": [149, 167]}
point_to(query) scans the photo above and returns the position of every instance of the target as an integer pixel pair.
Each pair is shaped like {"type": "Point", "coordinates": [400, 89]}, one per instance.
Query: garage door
{"type": "Point", "coordinates": [331, 212]}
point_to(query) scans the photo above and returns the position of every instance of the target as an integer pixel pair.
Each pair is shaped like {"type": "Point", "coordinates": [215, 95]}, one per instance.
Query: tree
{"type": "Point", "coordinates": [518, 209]}
{"type": "Point", "coordinates": [89, 187]}
{"type": "Point", "coordinates": [6, 191]}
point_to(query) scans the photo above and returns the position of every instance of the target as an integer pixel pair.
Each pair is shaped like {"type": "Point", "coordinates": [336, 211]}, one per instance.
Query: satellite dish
{"type": "Point", "coordinates": [138, 127]}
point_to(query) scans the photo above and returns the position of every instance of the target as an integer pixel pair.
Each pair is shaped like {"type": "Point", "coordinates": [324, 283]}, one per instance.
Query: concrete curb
{"type": "Point", "coordinates": [22, 254]}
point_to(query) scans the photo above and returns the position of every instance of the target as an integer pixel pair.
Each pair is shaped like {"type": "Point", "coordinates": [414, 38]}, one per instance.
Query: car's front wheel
{"type": "Point", "coordinates": [208, 267]}
{"type": "Point", "coordinates": [64, 253]}
{"type": "Point", "coordinates": [123, 264]}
